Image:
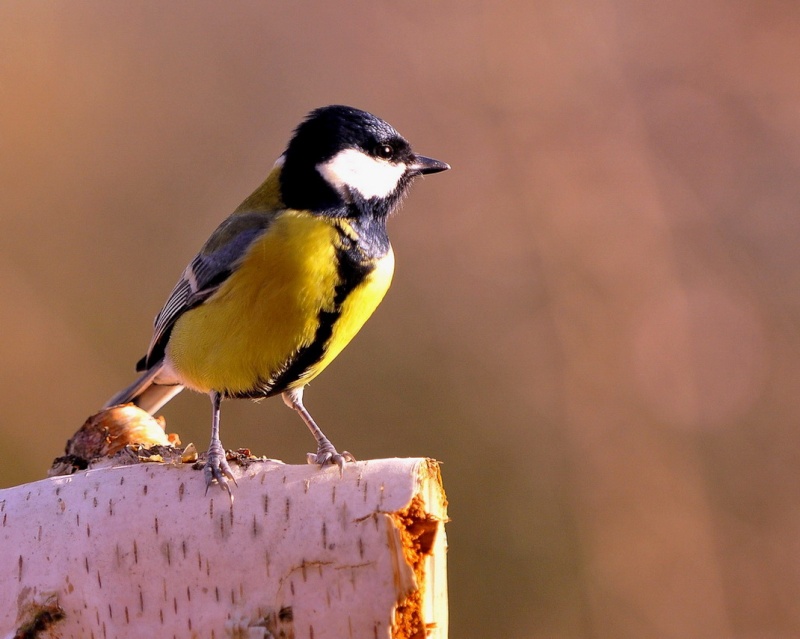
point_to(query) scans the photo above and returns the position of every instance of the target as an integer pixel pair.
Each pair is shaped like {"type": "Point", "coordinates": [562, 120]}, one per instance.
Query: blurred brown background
{"type": "Point", "coordinates": [594, 321]}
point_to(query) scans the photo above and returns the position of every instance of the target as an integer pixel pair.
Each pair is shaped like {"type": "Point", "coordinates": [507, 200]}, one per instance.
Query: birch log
{"type": "Point", "coordinates": [143, 551]}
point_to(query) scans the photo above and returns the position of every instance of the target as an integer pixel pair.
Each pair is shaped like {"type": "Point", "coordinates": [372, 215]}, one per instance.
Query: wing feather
{"type": "Point", "coordinates": [215, 262]}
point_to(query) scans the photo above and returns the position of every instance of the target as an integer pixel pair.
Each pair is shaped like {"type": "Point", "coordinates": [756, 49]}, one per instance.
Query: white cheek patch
{"type": "Point", "coordinates": [354, 169]}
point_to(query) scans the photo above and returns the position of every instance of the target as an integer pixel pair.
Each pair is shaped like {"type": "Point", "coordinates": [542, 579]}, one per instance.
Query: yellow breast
{"type": "Point", "coordinates": [357, 308]}
{"type": "Point", "coordinates": [269, 310]}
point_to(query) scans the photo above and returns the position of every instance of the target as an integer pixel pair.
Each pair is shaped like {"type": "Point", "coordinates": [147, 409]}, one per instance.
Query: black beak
{"type": "Point", "coordinates": [424, 165]}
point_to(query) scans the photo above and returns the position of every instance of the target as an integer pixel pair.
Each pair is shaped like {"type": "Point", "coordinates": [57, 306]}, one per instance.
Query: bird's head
{"type": "Point", "coordinates": [340, 155]}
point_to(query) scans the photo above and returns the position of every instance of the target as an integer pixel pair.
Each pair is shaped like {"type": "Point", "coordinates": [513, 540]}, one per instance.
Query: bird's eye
{"type": "Point", "coordinates": [384, 151]}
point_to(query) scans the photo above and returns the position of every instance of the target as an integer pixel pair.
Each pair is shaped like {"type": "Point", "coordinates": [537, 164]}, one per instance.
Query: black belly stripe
{"type": "Point", "coordinates": [352, 269]}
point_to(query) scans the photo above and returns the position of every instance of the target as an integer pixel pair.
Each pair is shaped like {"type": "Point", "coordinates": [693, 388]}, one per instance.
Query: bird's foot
{"type": "Point", "coordinates": [217, 468]}
{"type": "Point", "coordinates": [327, 454]}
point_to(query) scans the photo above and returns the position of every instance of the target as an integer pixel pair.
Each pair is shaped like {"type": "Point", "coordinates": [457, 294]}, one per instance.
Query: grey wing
{"type": "Point", "coordinates": [204, 275]}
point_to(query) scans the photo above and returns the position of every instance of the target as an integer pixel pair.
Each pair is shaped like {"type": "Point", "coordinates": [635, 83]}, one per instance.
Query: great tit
{"type": "Point", "coordinates": [285, 282]}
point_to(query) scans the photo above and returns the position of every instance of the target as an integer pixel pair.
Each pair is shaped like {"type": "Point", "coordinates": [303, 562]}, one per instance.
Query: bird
{"type": "Point", "coordinates": [287, 280]}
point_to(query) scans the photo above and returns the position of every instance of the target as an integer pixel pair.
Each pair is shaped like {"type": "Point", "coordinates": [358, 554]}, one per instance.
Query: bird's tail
{"type": "Point", "coordinates": [145, 393]}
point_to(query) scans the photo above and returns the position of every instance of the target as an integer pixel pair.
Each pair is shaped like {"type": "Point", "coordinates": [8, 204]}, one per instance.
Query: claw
{"type": "Point", "coordinates": [326, 453]}
{"type": "Point", "coordinates": [217, 468]}
{"type": "Point", "coordinates": [329, 455]}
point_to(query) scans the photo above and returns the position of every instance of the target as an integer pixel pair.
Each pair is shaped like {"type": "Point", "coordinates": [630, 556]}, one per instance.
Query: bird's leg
{"type": "Point", "coordinates": [217, 466]}
{"type": "Point", "coordinates": [326, 453]}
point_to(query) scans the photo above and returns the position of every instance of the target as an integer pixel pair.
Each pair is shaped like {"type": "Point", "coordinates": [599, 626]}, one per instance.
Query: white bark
{"type": "Point", "coordinates": [141, 551]}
